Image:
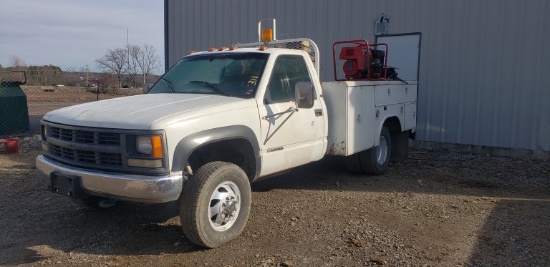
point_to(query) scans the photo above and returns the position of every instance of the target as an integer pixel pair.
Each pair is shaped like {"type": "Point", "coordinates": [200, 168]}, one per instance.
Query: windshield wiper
{"type": "Point", "coordinates": [209, 85]}
{"type": "Point", "coordinates": [170, 86]}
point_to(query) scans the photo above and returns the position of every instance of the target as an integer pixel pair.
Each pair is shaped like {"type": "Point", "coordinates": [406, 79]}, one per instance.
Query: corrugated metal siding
{"type": "Point", "coordinates": [484, 67]}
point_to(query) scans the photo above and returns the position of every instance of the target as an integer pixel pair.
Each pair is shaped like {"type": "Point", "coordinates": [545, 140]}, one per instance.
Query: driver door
{"type": "Point", "coordinates": [290, 137]}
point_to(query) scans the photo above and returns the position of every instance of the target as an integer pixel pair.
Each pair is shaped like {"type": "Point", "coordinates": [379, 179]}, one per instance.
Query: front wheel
{"type": "Point", "coordinates": [215, 204]}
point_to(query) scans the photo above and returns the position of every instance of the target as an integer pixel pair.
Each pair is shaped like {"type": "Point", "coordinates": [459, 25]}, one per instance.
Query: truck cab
{"type": "Point", "coordinates": [288, 123]}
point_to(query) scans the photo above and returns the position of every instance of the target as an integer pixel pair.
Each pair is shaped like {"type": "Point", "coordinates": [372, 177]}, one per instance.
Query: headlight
{"type": "Point", "coordinates": [144, 144]}
{"type": "Point", "coordinates": [150, 145]}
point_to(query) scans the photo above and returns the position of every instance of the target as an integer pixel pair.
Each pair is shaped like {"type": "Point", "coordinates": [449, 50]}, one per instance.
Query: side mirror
{"type": "Point", "coordinates": [304, 94]}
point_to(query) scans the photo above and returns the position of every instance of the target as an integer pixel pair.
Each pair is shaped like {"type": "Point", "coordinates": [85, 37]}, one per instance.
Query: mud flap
{"type": "Point", "coordinates": [400, 146]}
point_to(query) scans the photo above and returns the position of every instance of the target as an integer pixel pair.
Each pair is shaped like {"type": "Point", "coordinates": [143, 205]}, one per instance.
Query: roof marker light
{"type": "Point", "coordinates": [233, 47]}
{"type": "Point", "coordinates": [221, 48]}
{"type": "Point", "coordinates": [212, 49]}
{"type": "Point", "coordinates": [263, 48]}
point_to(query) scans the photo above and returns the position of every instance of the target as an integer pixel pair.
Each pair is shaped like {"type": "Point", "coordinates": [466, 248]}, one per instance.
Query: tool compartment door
{"type": "Point", "coordinates": [350, 107]}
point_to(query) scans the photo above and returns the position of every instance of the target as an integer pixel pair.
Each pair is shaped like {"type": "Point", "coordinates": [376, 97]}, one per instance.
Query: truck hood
{"type": "Point", "coordinates": [141, 111]}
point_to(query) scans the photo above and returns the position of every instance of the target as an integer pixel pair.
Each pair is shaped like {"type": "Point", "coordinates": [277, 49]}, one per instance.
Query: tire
{"type": "Point", "coordinates": [376, 160]}
{"type": "Point", "coordinates": [215, 204]}
{"type": "Point", "coordinates": [353, 163]}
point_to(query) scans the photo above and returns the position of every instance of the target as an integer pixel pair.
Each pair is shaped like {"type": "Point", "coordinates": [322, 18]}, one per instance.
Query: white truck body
{"type": "Point", "coordinates": [203, 141]}
{"type": "Point", "coordinates": [346, 118]}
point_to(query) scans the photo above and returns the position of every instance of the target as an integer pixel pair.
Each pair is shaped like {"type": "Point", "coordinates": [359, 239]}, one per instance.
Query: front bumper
{"type": "Point", "coordinates": [136, 188]}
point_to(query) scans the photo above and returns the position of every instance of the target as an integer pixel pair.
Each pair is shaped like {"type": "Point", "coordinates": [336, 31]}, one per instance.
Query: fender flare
{"type": "Point", "coordinates": [192, 142]}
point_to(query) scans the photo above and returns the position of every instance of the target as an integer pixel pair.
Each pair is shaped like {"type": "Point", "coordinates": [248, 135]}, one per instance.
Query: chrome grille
{"type": "Point", "coordinates": [84, 137]}
{"type": "Point", "coordinates": [85, 147]}
{"type": "Point", "coordinates": [109, 139]}
{"type": "Point", "coordinates": [61, 134]}
{"type": "Point", "coordinates": [86, 156]}
{"type": "Point", "coordinates": [63, 152]}
{"type": "Point", "coordinates": [110, 159]}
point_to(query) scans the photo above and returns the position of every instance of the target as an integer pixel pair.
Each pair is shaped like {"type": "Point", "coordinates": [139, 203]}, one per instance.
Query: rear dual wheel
{"type": "Point", "coordinates": [215, 204]}
{"type": "Point", "coordinates": [373, 161]}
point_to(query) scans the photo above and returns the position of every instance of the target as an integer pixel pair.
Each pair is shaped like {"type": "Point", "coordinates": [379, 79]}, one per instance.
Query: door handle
{"type": "Point", "coordinates": [318, 112]}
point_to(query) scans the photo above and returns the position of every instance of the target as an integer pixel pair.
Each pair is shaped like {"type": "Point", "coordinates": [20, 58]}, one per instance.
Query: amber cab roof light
{"type": "Point", "coordinates": [267, 35]}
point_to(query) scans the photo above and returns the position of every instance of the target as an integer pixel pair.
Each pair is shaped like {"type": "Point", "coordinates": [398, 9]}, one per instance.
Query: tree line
{"type": "Point", "coordinates": [131, 66]}
{"type": "Point", "coordinates": [35, 75]}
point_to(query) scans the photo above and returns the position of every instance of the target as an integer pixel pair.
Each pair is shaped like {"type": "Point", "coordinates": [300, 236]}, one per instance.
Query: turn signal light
{"type": "Point", "coordinates": [156, 144]}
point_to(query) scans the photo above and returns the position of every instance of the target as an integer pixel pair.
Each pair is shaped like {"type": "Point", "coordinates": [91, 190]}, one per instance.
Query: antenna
{"type": "Point", "coordinates": [128, 47]}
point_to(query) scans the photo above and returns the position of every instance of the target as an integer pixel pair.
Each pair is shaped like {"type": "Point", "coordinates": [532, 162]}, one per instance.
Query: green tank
{"type": "Point", "coordinates": [14, 113]}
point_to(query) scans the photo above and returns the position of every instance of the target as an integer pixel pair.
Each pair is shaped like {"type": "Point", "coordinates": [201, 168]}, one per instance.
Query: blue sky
{"type": "Point", "coordinates": [74, 33]}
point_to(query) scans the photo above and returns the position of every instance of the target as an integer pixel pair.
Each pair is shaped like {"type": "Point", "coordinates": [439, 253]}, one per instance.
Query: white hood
{"type": "Point", "coordinates": [141, 111]}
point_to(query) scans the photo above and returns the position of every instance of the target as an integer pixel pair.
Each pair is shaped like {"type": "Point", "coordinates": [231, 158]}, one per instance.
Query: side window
{"type": "Point", "coordinates": [287, 71]}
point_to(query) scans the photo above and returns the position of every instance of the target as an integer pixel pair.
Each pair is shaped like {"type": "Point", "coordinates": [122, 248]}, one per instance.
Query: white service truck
{"type": "Point", "coordinates": [220, 119]}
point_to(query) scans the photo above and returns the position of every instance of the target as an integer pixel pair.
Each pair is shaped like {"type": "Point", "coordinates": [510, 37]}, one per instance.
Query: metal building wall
{"type": "Point", "coordinates": [484, 66]}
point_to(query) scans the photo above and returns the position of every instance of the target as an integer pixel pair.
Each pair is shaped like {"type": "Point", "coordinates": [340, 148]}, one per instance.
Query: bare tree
{"type": "Point", "coordinates": [130, 60]}
{"type": "Point", "coordinates": [116, 62]}
{"type": "Point", "coordinates": [133, 65]}
{"type": "Point", "coordinates": [17, 63]}
{"type": "Point", "coordinates": [146, 58]}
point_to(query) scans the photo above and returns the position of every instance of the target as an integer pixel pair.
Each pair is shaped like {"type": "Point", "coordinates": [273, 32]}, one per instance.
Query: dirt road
{"type": "Point", "coordinates": [435, 209]}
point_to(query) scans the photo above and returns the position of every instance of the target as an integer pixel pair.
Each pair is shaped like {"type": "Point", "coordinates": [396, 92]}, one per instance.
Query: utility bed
{"type": "Point", "coordinates": [357, 111]}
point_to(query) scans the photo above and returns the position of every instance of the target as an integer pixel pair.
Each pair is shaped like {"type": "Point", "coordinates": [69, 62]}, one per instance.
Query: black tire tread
{"type": "Point", "coordinates": [190, 228]}
{"type": "Point", "coordinates": [353, 163]}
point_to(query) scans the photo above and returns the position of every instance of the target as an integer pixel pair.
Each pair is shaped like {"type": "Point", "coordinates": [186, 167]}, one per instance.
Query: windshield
{"type": "Point", "coordinates": [230, 74]}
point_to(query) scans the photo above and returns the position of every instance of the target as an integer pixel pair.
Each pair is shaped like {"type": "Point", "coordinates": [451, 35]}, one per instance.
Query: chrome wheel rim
{"type": "Point", "coordinates": [224, 206]}
{"type": "Point", "coordinates": [382, 151]}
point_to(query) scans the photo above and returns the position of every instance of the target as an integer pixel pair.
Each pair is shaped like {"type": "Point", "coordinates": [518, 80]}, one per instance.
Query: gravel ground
{"type": "Point", "coordinates": [438, 208]}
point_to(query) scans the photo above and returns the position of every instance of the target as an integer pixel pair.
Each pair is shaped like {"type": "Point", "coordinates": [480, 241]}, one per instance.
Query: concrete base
{"type": "Point", "coordinates": [476, 149]}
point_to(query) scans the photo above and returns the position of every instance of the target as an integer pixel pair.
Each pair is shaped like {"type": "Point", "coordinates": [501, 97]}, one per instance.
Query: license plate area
{"type": "Point", "coordinates": [67, 185]}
